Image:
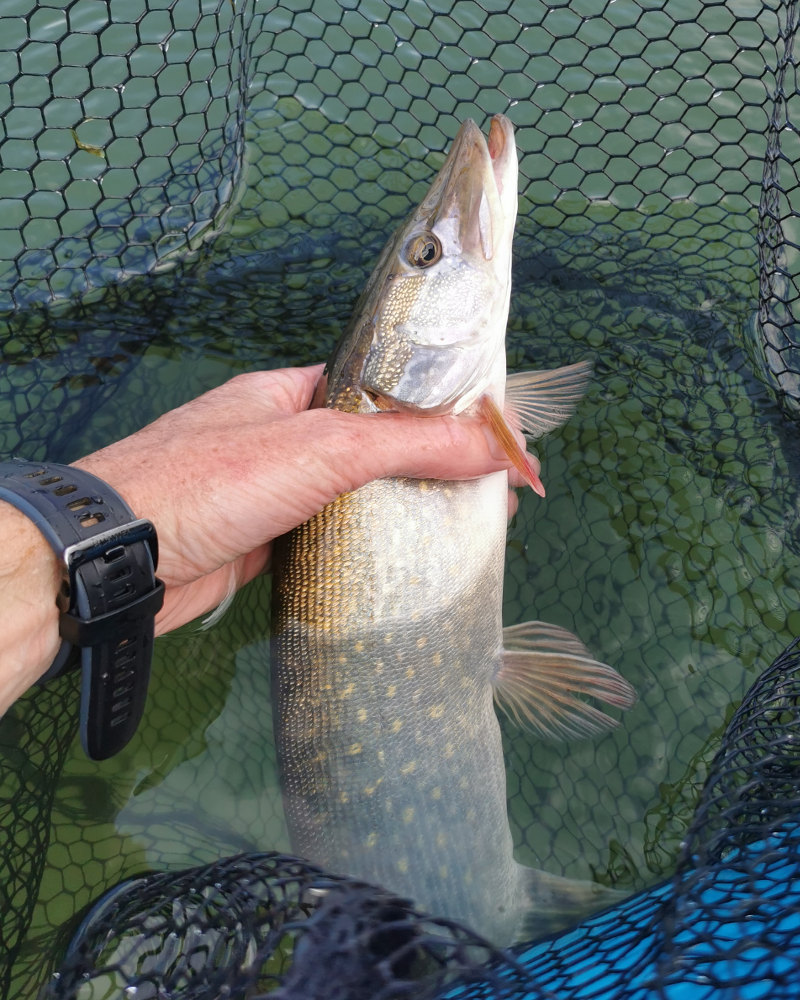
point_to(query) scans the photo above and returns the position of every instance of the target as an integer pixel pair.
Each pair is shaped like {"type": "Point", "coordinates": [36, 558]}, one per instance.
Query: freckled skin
{"type": "Point", "coordinates": [405, 789]}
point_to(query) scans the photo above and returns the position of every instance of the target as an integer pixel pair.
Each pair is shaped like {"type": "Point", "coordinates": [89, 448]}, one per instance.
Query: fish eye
{"type": "Point", "coordinates": [423, 250]}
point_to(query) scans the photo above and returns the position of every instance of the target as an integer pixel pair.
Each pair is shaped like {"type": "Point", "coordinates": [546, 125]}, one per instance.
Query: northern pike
{"type": "Point", "coordinates": [388, 644]}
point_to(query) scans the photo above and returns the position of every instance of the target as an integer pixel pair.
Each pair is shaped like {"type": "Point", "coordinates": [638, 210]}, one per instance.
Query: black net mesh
{"type": "Point", "coordinates": [190, 188]}
{"type": "Point", "coordinates": [260, 924]}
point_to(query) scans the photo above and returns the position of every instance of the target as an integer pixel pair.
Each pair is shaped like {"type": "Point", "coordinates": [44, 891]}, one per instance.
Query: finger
{"type": "Point", "coordinates": [362, 447]}
{"type": "Point", "coordinates": [183, 603]}
{"type": "Point", "coordinates": [513, 504]}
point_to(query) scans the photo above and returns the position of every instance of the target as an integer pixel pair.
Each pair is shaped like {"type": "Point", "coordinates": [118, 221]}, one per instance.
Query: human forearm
{"type": "Point", "coordinates": [29, 582]}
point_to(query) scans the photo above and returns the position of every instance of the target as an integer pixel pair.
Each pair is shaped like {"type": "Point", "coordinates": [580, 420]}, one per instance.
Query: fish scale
{"type": "Point", "coordinates": [412, 771]}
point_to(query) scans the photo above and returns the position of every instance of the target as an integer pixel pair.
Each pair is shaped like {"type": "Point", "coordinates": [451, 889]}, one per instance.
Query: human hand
{"type": "Point", "coordinates": [226, 473]}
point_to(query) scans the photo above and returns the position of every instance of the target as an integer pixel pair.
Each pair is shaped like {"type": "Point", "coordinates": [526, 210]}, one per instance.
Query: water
{"type": "Point", "coordinates": [669, 537]}
{"type": "Point", "coordinates": [668, 541]}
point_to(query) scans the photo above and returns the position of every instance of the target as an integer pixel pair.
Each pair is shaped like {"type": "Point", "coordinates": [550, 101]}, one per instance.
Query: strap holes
{"type": "Point", "coordinates": [79, 504]}
{"type": "Point", "coordinates": [50, 480]}
{"type": "Point", "coordinates": [90, 520]}
{"type": "Point", "coordinates": [114, 554]}
{"type": "Point", "coordinates": [62, 491]}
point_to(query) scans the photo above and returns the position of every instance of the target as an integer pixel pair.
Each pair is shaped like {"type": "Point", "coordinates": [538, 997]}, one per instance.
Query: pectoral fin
{"type": "Point", "coordinates": [490, 412]}
{"type": "Point", "coordinates": [556, 902]}
{"type": "Point", "coordinates": [540, 401]}
{"type": "Point", "coordinates": [536, 402]}
{"type": "Point", "coordinates": [544, 672]}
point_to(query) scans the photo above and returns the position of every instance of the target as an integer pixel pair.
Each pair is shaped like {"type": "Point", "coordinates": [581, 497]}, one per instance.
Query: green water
{"type": "Point", "coordinates": [669, 536]}
{"type": "Point", "coordinates": [668, 541]}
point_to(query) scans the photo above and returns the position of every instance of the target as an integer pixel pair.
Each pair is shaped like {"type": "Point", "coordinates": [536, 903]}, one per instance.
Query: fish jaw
{"type": "Point", "coordinates": [428, 333]}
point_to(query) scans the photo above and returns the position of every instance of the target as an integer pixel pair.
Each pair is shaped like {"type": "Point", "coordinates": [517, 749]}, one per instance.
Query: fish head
{"type": "Point", "coordinates": [428, 333]}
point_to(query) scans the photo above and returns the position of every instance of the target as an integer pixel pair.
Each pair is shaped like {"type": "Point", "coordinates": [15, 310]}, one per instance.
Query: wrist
{"type": "Point", "coordinates": [30, 577]}
{"type": "Point", "coordinates": [106, 557]}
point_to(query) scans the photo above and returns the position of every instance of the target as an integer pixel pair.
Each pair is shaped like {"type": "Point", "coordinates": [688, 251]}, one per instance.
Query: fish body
{"type": "Point", "coordinates": [388, 644]}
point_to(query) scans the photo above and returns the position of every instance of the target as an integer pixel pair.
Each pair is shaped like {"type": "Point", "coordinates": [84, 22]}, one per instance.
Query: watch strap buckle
{"type": "Point", "coordinates": [102, 628]}
{"type": "Point", "coordinates": [104, 543]}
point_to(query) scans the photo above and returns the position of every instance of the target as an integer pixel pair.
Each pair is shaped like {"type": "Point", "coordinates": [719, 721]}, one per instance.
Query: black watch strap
{"type": "Point", "coordinates": [109, 597]}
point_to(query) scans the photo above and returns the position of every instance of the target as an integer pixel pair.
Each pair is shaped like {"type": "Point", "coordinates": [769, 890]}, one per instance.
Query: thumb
{"type": "Point", "coordinates": [353, 448]}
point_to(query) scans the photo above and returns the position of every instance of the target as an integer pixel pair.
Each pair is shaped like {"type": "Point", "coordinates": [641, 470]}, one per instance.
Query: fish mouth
{"type": "Point", "coordinates": [472, 203]}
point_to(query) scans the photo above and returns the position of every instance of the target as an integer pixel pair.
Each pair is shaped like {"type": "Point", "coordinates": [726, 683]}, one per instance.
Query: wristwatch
{"type": "Point", "coordinates": [109, 594]}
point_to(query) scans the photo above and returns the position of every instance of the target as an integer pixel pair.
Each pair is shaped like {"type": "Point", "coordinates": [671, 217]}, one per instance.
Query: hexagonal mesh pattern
{"type": "Point", "coordinates": [657, 145]}
{"type": "Point", "coordinates": [260, 925]}
{"type": "Point", "coordinates": [124, 128]}
{"type": "Point", "coordinates": [123, 137]}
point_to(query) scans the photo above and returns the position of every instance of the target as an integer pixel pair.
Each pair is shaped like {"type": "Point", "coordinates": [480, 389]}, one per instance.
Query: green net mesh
{"type": "Point", "coordinates": [190, 189]}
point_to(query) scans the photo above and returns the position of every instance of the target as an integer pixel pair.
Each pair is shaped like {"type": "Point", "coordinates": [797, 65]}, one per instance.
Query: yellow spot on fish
{"type": "Point", "coordinates": [408, 814]}
{"type": "Point", "coordinates": [397, 725]}
{"type": "Point", "coordinates": [422, 642]}
{"type": "Point", "coordinates": [410, 671]}
{"type": "Point", "coordinates": [437, 659]}
{"type": "Point", "coordinates": [443, 871]}
{"type": "Point", "coordinates": [436, 793]}
{"type": "Point", "coordinates": [436, 711]}
{"type": "Point", "coordinates": [409, 768]}
{"type": "Point", "coordinates": [358, 646]}
{"type": "Point", "coordinates": [342, 660]}
{"type": "Point", "coordinates": [441, 839]}
{"type": "Point", "coordinates": [371, 840]}
{"type": "Point", "coordinates": [423, 485]}
{"type": "Point", "coordinates": [391, 691]}
{"type": "Point", "coordinates": [362, 715]}
{"type": "Point", "coordinates": [402, 865]}
{"type": "Point", "coordinates": [354, 748]}
{"type": "Point", "coordinates": [449, 749]}
{"type": "Point", "coordinates": [344, 797]}
{"type": "Point", "coordinates": [347, 691]}
{"type": "Point", "coordinates": [370, 789]}
{"type": "Point", "coordinates": [387, 637]}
